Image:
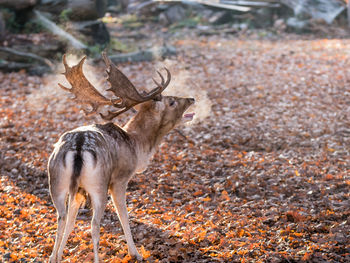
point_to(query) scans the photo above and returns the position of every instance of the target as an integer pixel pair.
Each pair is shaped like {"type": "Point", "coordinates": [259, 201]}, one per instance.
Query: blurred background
{"type": "Point", "coordinates": [262, 174]}
{"type": "Point", "coordinates": [35, 33]}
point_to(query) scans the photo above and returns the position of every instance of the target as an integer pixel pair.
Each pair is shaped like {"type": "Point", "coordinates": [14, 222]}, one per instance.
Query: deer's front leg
{"type": "Point", "coordinates": [118, 192]}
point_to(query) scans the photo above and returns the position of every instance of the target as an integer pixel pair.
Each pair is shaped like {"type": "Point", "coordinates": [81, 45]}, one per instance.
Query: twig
{"type": "Point", "coordinates": [184, 136]}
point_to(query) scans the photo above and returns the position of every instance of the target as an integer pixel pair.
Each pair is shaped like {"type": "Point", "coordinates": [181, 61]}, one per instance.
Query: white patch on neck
{"type": "Point", "coordinates": [160, 107]}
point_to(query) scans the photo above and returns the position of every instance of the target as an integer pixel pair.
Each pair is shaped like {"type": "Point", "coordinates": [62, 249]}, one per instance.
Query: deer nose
{"type": "Point", "coordinates": [191, 100]}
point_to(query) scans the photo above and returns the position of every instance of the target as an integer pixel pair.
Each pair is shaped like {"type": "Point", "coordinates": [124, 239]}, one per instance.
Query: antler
{"type": "Point", "coordinates": [127, 94]}
{"type": "Point", "coordinates": [126, 91]}
{"type": "Point", "coordinates": [83, 90]}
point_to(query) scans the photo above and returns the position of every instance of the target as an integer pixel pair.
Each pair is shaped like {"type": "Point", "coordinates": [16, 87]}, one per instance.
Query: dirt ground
{"type": "Point", "coordinates": [261, 175]}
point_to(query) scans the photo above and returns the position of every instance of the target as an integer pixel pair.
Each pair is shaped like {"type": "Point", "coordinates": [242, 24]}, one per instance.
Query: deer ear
{"type": "Point", "coordinates": [147, 105]}
{"type": "Point", "coordinates": [137, 107]}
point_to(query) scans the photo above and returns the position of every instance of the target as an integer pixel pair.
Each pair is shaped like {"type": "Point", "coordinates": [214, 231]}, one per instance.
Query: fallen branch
{"type": "Point", "coordinates": [249, 3]}
{"type": "Point", "coordinates": [209, 32]}
{"type": "Point", "coordinates": [29, 55]}
{"type": "Point", "coordinates": [8, 66]}
{"type": "Point", "coordinates": [209, 3]}
{"type": "Point", "coordinates": [56, 30]}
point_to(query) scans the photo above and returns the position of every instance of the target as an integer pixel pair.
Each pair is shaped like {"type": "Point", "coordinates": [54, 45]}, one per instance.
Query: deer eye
{"type": "Point", "coordinates": [172, 103]}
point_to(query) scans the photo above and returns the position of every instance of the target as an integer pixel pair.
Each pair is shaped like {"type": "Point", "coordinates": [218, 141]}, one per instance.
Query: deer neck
{"type": "Point", "coordinates": [147, 133]}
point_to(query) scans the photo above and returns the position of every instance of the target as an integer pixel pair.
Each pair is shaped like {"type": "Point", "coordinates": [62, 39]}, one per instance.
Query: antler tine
{"type": "Point", "coordinates": [161, 76]}
{"type": "Point", "coordinates": [84, 91]}
{"type": "Point", "coordinates": [65, 63]}
{"type": "Point", "coordinates": [81, 63]}
{"type": "Point", "coordinates": [163, 84]}
{"type": "Point", "coordinates": [66, 67]}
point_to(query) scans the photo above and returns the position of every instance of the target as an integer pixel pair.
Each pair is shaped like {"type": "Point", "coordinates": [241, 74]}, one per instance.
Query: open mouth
{"type": "Point", "coordinates": [188, 116]}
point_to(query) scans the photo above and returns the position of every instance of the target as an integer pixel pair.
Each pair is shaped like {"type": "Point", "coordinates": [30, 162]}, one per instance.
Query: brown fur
{"type": "Point", "coordinates": [110, 156]}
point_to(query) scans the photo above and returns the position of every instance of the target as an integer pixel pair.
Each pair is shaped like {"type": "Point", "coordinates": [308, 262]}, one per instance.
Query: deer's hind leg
{"type": "Point", "coordinates": [75, 200]}
{"type": "Point", "coordinates": [95, 183]}
{"type": "Point", "coordinates": [59, 201]}
{"type": "Point", "coordinates": [59, 189]}
{"type": "Point", "coordinates": [99, 202]}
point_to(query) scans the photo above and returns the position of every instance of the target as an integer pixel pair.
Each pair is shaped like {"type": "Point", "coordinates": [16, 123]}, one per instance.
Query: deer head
{"type": "Point", "coordinates": [120, 85]}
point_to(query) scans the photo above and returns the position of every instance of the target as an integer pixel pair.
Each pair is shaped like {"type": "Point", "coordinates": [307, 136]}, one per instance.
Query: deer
{"type": "Point", "coordinates": [99, 159]}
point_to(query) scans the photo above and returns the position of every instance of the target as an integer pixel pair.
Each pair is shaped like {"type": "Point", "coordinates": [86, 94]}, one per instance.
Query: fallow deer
{"type": "Point", "coordinates": [102, 158]}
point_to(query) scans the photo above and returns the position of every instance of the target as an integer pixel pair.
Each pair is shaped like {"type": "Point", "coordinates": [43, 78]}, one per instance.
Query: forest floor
{"type": "Point", "coordinates": [261, 175]}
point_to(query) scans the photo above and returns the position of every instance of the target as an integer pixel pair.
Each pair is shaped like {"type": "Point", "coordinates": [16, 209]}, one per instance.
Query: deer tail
{"type": "Point", "coordinates": [78, 163]}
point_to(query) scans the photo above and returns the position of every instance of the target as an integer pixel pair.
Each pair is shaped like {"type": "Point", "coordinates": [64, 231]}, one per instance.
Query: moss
{"type": "Point", "coordinates": [65, 15]}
